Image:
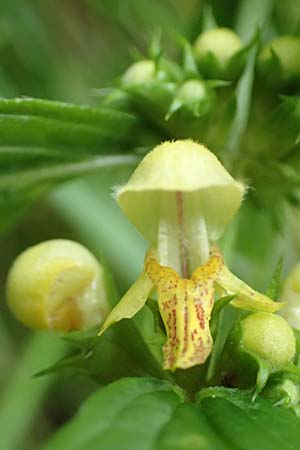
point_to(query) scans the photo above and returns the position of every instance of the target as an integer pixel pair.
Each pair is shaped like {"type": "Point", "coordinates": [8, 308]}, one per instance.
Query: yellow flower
{"type": "Point", "coordinates": [186, 304]}
{"type": "Point", "coordinates": [181, 198]}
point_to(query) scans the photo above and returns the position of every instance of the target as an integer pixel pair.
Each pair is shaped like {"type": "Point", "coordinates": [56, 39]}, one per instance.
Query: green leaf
{"type": "Point", "coordinates": [244, 424]}
{"type": "Point", "coordinates": [190, 69]}
{"type": "Point", "coordinates": [44, 143]}
{"type": "Point", "coordinates": [101, 118]}
{"type": "Point", "coordinates": [137, 414]}
{"type": "Point", "coordinates": [128, 414]}
{"type": "Point", "coordinates": [120, 352]}
{"type": "Point", "coordinates": [189, 429]}
{"type": "Point", "coordinates": [148, 414]}
{"type": "Point", "coordinates": [20, 187]}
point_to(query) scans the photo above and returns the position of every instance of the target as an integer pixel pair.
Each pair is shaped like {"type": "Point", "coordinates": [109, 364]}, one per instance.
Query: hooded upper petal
{"type": "Point", "coordinates": [180, 166]}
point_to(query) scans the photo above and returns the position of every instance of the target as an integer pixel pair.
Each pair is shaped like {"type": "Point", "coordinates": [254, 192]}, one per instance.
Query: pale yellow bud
{"type": "Point", "coordinates": [287, 51]}
{"type": "Point", "coordinates": [139, 72]}
{"type": "Point", "coordinates": [270, 337]}
{"type": "Point", "coordinates": [57, 285]}
{"type": "Point", "coordinates": [222, 43]}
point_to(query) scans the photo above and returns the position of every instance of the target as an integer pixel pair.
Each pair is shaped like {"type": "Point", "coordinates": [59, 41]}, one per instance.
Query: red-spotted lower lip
{"type": "Point", "coordinates": [185, 306]}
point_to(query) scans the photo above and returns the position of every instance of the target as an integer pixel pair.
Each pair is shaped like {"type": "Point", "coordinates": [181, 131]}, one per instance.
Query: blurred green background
{"type": "Point", "coordinates": [67, 50]}
{"type": "Point", "coordinates": [72, 50]}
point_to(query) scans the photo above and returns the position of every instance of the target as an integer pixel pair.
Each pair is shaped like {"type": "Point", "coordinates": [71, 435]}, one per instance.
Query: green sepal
{"type": "Point", "coordinates": [284, 390]}
{"type": "Point", "coordinates": [209, 21]}
{"type": "Point", "coordinates": [274, 286]}
{"type": "Point", "coordinates": [210, 67]}
{"type": "Point", "coordinates": [152, 99]}
{"type": "Point", "coordinates": [189, 65]}
{"type": "Point", "coordinates": [216, 313]}
{"type": "Point", "coordinates": [271, 68]}
{"type": "Point", "coordinates": [121, 352]}
{"type": "Point", "coordinates": [159, 338]}
{"type": "Point", "coordinates": [217, 83]}
{"type": "Point", "coordinates": [264, 371]}
{"type": "Point", "coordinates": [238, 61]}
{"type": "Point", "coordinates": [155, 49]}
{"type": "Point", "coordinates": [192, 107]}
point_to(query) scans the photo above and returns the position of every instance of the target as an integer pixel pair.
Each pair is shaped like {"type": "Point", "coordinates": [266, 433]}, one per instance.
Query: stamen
{"type": "Point", "coordinates": [168, 246]}
{"type": "Point", "coordinates": [197, 240]}
{"type": "Point", "coordinates": [183, 242]}
{"type": "Point", "coordinates": [181, 235]}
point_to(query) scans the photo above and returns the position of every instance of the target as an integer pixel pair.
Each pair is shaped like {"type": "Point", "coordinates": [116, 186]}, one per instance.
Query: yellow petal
{"type": "Point", "coordinates": [180, 166]}
{"type": "Point", "coordinates": [246, 297]}
{"type": "Point", "coordinates": [134, 299]}
{"type": "Point", "coordinates": [185, 307]}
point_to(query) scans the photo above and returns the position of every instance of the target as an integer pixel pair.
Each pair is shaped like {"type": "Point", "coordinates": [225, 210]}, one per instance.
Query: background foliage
{"type": "Point", "coordinates": [71, 51]}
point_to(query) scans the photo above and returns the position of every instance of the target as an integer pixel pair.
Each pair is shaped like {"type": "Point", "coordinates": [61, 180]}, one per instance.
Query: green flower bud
{"type": "Point", "coordinates": [146, 71]}
{"type": "Point", "coordinates": [150, 87]}
{"type": "Point", "coordinates": [214, 49]}
{"type": "Point", "coordinates": [260, 345]}
{"type": "Point", "coordinates": [285, 393]}
{"type": "Point", "coordinates": [194, 97]}
{"type": "Point", "coordinates": [192, 90]}
{"type": "Point", "coordinates": [269, 337]}
{"type": "Point", "coordinates": [139, 72]}
{"type": "Point", "coordinates": [57, 285]}
{"type": "Point", "coordinates": [279, 60]}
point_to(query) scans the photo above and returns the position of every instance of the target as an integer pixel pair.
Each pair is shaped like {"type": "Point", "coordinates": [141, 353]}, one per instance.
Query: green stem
{"type": "Point", "coordinates": [24, 395]}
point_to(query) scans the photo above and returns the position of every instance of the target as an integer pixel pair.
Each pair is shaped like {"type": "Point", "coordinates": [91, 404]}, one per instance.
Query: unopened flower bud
{"type": "Point", "coordinates": [193, 96]}
{"type": "Point", "coordinates": [57, 285]}
{"type": "Point", "coordinates": [269, 337]}
{"type": "Point", "coordinates": [139, 72]}
{"type": "Point", "coordinates": [214, 49]}
{"type": "Point", "coordinates": [279, 60]}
